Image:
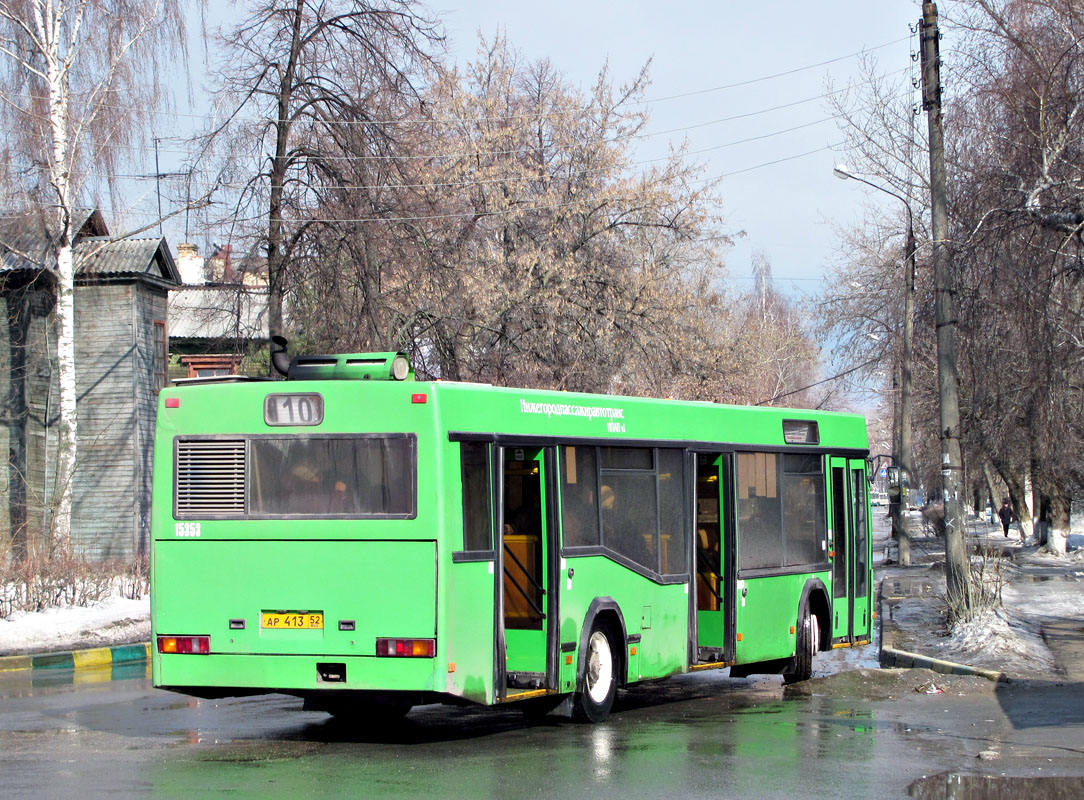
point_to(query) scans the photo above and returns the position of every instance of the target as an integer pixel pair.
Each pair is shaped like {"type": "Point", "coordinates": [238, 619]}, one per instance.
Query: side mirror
{"type": "Point", "coordinates": [894, 483]}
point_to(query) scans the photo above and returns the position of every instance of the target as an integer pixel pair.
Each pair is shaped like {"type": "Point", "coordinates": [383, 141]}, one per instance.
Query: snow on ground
{"type": "Point", "coordinates": [1009, 638]}
{"type": "Point", "coordinates": [114, 621]}
{"type": "Point", "coordinates": [999, 637]}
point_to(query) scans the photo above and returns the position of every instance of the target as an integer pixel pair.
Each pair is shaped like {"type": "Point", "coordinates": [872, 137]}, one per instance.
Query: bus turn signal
{"type": "Point", "coordinates": [197, 645]}
{"type": "Point", "coordinates": [410, 648]}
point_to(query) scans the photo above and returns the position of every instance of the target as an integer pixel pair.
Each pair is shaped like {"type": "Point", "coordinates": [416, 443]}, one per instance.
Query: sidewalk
{"type": "Point", "coordinates": [1038, 633]}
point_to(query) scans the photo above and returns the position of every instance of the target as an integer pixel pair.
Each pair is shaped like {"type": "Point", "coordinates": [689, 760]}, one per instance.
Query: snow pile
{"type": "Point", "coordinates": [115, 620]}
{"type": "Point", "coordinates": [999, 639]}
{"type": "Point", "coordinates": [1045, 555]}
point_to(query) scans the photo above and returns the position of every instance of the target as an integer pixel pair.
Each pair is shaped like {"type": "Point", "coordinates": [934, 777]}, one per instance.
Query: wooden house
{"type": "Point", "coordinates": [121, 361]}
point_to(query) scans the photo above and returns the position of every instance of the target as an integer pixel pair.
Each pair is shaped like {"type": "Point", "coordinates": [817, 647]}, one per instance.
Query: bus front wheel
{"type": "Point", "coordinates": [598, 684]}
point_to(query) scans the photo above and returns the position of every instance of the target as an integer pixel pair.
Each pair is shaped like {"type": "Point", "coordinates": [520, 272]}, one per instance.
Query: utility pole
{"type": "Point", "coordinates": [903, 536]}
{"type": "Point", "coordinates": [957, 566]}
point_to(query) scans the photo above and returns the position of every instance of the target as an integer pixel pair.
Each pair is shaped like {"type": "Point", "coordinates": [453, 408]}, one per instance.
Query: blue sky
{"type": "Point", "coordinates": [786, 209]}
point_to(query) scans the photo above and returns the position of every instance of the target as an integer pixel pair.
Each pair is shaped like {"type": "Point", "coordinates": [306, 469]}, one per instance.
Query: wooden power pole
{"type": "Point", "coordinates": [957, 566]}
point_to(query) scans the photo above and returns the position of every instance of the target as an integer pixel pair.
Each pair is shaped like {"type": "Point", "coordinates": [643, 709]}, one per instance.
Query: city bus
{"type": "Point", "coordinates": [370, 542]}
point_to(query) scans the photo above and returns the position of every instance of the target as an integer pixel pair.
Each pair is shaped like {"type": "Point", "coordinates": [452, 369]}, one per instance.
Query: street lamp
{"type": "Point", "coordinates": [903, 437]}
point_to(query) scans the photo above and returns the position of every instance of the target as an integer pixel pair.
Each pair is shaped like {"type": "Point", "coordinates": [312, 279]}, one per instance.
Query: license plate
{"type": "Point", "coordinates": [293, 620]}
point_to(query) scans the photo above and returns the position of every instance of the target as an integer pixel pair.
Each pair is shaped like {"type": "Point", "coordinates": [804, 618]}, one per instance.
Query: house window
{"type": "Point", "coordinates": [161, 356]}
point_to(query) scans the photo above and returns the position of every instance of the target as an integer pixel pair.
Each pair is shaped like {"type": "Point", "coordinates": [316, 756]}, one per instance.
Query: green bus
{"type": "Point", "coordinates": [370, 542]}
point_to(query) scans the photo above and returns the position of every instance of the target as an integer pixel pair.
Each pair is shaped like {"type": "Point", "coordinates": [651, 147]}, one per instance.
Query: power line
{"type": "Point", "coordinates": [818, 383]}
{"type": "Point", "coordinates": [534, 115]}
{"type": "Point", "coordinates": [529, 149]}
{"type": "Point", "coordinates": [510, 211]}
{"type": "Point", "coordinates": [499, 179]}
{"type": "Point", "coordinates": [780, 74]}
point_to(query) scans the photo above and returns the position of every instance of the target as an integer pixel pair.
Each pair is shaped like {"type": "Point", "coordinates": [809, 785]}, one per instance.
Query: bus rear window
{"type": "Point", "coordinates": [295, 476]}
{"type": "Point", "coordinates": [355, 476]}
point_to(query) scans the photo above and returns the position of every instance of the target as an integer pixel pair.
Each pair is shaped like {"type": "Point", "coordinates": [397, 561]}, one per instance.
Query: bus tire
{"type": "Point", "coordinates": [598, 684]}
{"type": "Point", "coordinates": [806, 646]}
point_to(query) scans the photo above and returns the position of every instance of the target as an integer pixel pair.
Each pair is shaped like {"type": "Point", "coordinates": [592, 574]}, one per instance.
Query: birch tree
{"type": "Point", "coordinates": [78, 79]}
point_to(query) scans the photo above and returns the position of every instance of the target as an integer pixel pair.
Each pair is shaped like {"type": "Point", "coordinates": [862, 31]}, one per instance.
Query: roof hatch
{"type": "Point", "coordinates": [352, 367]}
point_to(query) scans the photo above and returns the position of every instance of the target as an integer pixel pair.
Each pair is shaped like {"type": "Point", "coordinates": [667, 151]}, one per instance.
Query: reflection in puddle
{"type": "Point", "coordinates": [602, 751]}
{"type": "Point", "coordinates": [985, 787]}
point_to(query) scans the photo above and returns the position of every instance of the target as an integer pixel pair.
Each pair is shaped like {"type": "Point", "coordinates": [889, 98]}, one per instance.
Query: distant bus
{"type": "Point", "coordinates": [369, 542]}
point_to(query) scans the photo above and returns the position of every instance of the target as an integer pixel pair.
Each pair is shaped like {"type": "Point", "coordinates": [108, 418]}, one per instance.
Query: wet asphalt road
{"type": "Point", "coordinates": [854, 735]}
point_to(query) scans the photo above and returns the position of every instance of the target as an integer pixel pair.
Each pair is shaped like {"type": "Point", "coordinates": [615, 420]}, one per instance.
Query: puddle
{"type": "Point", "coordinates": [985, 787]}
{"type": "Point", "coordinates": [1045, 578]}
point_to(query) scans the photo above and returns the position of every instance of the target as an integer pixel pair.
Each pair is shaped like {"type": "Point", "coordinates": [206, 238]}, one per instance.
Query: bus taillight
{"type": "Point", "coordinates": [193, 645]}
{"type": "Point", "coordinates": [409, 648]}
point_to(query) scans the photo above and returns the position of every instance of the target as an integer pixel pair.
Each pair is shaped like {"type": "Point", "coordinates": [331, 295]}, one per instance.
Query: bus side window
{"type": "Point", "coordinates": [759, 509]}
{"type": "Point", "coordinates": [672, 512]}
{"type": "Point", "coordinates": [477, 516]}
{"type": "Point", "coordinates": [579, 496]}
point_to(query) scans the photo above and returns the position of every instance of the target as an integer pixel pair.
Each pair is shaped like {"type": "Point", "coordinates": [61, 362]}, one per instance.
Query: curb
{"type": "Point", "coordinates": [901, 659]}
{"type": "Point", "coordinates": [890, 657]}
{"type": "Point", "coordinates": [79, 659]}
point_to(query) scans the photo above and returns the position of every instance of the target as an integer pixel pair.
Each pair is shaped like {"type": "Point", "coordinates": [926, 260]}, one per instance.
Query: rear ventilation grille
{"type": "Point", "coordinates": [210, 477]}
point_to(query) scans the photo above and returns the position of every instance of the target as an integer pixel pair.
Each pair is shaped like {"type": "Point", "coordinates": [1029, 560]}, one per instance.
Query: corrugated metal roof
{"type": "Point", "coordinates": [218, 312]}
{"type": "Point", "coordinates": [26, 241]}
{"type": "Point", "coordinates": [100, 256]}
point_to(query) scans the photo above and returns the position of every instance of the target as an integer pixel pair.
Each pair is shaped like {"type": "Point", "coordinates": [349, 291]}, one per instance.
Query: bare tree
{"type": "Point", "coordinates": [295, 75]}
{"type": "Point", "coordinates": [513, 241]}
{"type": "Point", "coordinates": [78, 81]}
{"type": "Point", "coordinates": [1020, 216]}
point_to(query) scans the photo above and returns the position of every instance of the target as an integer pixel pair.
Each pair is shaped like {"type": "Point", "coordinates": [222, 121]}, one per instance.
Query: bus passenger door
{"type": "Point", "coordinates": [714, 560]}
{"type": "Point", "coordinates": [861, 616]}
{"type": "Point", "coordinates": [525, 568]}
{"type": "Point", "coordinates": [839, 539]}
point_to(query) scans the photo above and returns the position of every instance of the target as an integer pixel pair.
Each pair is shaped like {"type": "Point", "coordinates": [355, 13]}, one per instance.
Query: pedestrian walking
{"type": "Point", "coordinates": [1005, 515]}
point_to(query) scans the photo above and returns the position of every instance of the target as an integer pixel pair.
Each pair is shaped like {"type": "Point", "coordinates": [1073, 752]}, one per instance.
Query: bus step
{"type": "Point", "coordinates": [709, 655]}
{"type": "Point", "coordinates": [526, 680]}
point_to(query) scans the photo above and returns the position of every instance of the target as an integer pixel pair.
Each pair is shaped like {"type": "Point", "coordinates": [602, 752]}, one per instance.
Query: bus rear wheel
{"type": "Point", "coordinates": [809, 634]}
{"type": "Point", "coordinates": [598, 683]}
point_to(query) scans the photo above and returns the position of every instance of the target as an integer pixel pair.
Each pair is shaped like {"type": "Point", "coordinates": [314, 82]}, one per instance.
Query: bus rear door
{"type": "Point", "coordinates": [851, 612]}
{"type": "Point", "coordinates": [714, 560]}
{"type": "Point", "coordinates": [861, 616]}
{"type": "Point", "coordinates": [525, 570]}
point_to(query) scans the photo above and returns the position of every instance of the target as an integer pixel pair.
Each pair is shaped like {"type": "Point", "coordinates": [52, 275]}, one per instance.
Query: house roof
{"type": "Point", "coordinates": [218, 311]}
{"type": "Point", "coordinates": [28, 242]}
{"type": "Point", "coordinates": [98, 256]}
